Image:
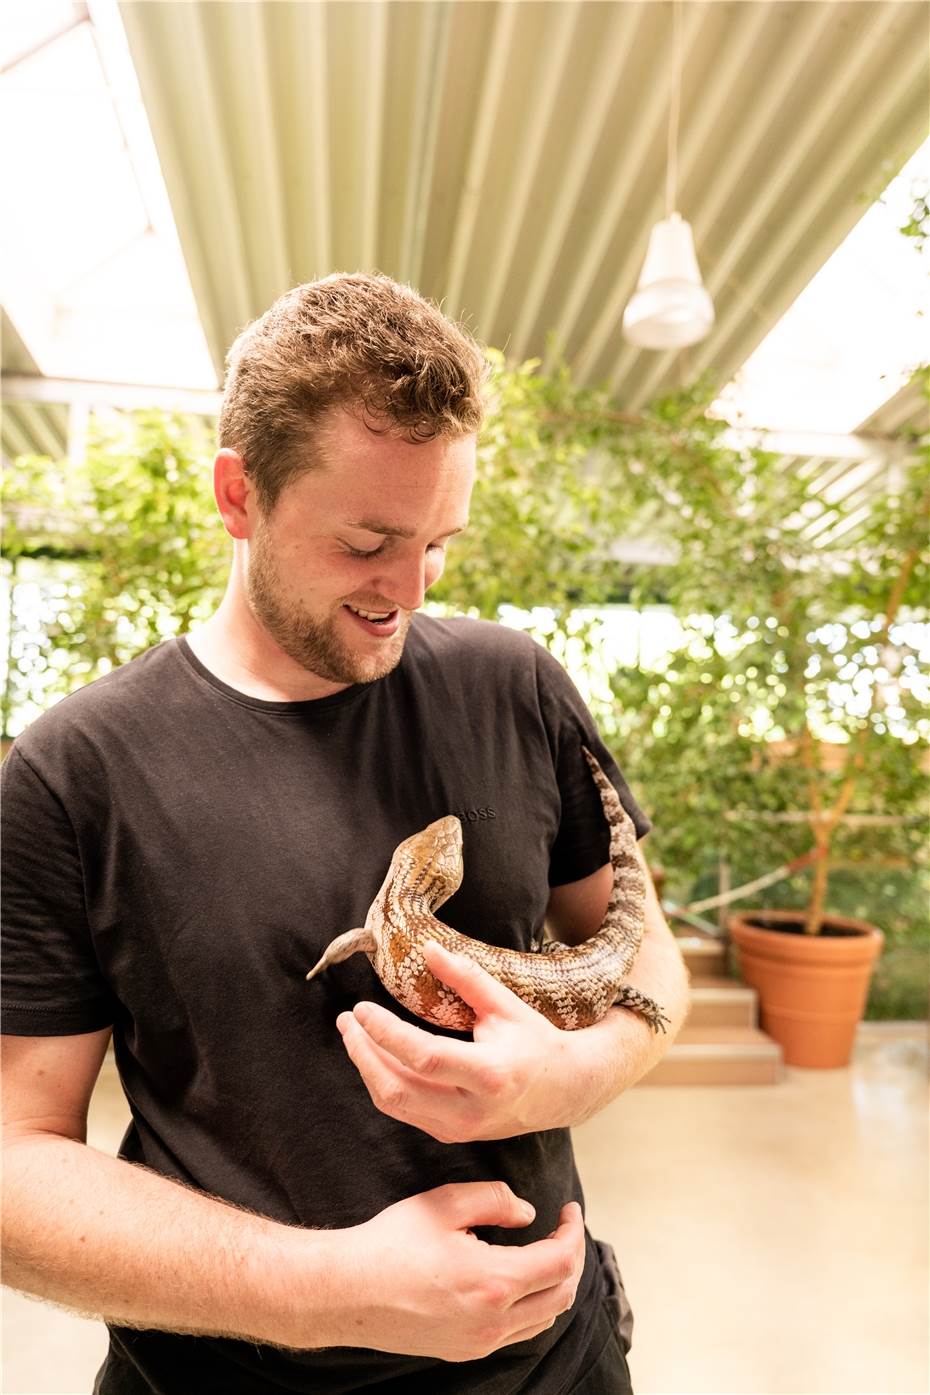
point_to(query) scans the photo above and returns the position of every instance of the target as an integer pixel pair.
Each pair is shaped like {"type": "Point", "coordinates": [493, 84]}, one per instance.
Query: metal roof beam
{"type": "Point", "coordinates": [814, 444]}
{"type": "Point", "coordinates": [20, 387]}
{"type": "Point", "coordinates": [24, 387]}
{"type": "Point", "coordinates": [79, 17]}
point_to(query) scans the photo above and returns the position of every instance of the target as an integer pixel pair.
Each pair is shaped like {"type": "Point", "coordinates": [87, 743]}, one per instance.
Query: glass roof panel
{"type": "Point", "coordinates": [93, 279]}
{"type": "Point", "coordinates": [855, 333]}
{"type": "Point", "coordinates": [25, 27]}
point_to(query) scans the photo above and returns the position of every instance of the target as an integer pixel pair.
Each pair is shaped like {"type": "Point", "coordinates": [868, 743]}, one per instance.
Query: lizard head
{"type": "Point", "coordinates": [437, 854]}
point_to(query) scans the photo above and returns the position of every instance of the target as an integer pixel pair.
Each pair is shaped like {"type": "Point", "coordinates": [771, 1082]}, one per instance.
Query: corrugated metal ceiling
{"type": "Point", "coordinates": [509, 158]}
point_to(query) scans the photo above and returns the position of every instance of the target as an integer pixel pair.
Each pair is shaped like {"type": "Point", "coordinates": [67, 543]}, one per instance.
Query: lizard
{"type": "Point", "coordinates": [572, 986]}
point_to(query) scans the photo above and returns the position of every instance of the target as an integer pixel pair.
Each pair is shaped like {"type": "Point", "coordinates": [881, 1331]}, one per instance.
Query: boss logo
{"type": "Point", "coordinates": [473, 815]}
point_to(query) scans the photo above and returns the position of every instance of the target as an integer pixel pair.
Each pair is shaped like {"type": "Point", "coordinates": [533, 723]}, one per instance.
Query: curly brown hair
{"type": "Point", "coordinates": [362, 341]}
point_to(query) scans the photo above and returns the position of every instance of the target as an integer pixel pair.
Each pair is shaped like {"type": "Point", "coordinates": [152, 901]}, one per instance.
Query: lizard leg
{"type": "Point", "coordinates": [630, 997]}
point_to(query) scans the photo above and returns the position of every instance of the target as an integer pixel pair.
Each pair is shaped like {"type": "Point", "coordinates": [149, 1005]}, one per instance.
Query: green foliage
{"type": "Point", "coordinates": [161, 554]}
{"type": "Point", "coordinates": [543, 517]}
{"type": "Point", "coordinates": [917, 225]}
{"type": "Point", "coordinates": [131, 552]}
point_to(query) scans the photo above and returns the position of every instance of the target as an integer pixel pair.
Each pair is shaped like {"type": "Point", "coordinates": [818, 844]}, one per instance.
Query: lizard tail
{"type": "Point", "coordinates": [343, 946]}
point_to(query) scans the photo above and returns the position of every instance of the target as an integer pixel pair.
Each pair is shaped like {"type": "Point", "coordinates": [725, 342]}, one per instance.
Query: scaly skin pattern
{"type": "Point", "coordinates": [573, 986]}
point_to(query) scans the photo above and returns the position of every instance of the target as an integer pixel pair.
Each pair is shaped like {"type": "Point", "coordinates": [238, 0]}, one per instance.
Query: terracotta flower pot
{"type": "Point", "coordinates": [812, 988]}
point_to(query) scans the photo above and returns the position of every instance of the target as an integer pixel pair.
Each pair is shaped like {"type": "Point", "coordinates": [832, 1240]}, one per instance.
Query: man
{"type": "Point", "coordinates": [317, 1193]}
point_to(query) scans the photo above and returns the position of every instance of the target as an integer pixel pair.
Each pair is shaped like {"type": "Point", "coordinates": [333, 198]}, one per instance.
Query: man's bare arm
{"type": "Point", "coordinates": [109, 1239]}
{"type": "Point", "coordinates": [114, 1240]}
{"type": "Point", "coordinates": [621, 1048]}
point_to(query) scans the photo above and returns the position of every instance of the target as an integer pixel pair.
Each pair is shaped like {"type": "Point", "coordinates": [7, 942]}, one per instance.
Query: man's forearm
{"type": "Point", "coordinates": [112, 1240]}
{"type": "Point", "coordinates": [611, 1056]}
{"type": "Point", "coordinates": [622, 1047]}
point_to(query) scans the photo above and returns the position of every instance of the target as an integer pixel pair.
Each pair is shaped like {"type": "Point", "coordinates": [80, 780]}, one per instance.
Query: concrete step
{"type": "Point", "coordinates": [722, 1002]}
{"type": "Point", "coordinates": [704, 955]}
{"type": "Point", "coordinates": [719, 1056]}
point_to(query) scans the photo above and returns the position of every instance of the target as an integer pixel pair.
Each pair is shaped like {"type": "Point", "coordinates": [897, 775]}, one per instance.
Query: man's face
{"type": "Point", "coordinates": [364, 530]}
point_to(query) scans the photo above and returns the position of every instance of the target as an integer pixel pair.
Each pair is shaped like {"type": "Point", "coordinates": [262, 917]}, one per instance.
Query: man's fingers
{"type": "Point", "coordinates": [535, 1270]}
{"type": "Point", "coordinates": [435, 1058]}
{"type": "Point", "coordinates": [479, 989]}
{"type": "Point", "coordinates": [555, 1262]}
{"type": "Point", "coordinates": [526, 1333]}
{"type": "Point", "coordinates": [538, 1313]}
{"type": "Point", "coordinates": [393, 1089]}
{"type": "Point", "coordinates": [483, 1203]}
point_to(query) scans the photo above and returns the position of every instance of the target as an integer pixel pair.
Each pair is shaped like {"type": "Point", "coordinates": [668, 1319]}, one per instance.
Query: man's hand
{"type": "Point", "coordinates": [515, 1077]}
{"type": "Point", "coordinates": [422, 1283]}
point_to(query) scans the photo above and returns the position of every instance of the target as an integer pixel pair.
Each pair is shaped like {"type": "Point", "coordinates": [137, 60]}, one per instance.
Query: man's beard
{"type": "Point", "coordinates": [315, 644]}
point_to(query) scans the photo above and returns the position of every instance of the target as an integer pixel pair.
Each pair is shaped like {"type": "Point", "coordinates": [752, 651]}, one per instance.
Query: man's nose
{"type": "Point", "coordinates": [403, 581]}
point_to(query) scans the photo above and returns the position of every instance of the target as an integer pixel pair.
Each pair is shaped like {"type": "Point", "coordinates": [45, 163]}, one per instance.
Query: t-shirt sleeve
{"type": "Point", "coordinates": [582, 843]}
{"type": "Point", "coordinates": [52, 985]}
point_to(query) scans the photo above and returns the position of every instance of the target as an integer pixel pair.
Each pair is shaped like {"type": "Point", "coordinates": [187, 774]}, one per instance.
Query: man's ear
{"type": "Point", "coordinates": [233, 492]}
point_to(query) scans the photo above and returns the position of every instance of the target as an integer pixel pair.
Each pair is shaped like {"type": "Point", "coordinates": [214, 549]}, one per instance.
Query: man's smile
{"type": "Point", "coordinates": [382, 623]}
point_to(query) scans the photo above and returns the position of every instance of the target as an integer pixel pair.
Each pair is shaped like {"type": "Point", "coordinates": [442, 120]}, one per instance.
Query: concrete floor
{"type": "Point", "coordinates": [773, 1239]}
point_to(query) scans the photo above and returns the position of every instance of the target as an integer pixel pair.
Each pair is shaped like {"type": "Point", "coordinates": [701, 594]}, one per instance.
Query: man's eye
{"type": "Point", "coordinates": [355, 552]}
{"type": "Point", "coordinates": [375, 551]}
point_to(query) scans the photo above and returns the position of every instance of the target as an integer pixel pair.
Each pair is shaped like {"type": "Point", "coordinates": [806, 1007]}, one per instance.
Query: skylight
{"type": "Point", "coordinates": [94, 278]}
{"type": "Point", "coordinates": [854, 334]}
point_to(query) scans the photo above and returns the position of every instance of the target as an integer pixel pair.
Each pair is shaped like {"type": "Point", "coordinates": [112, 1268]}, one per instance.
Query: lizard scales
{"type": "Point", "coordinates": [573, 986]}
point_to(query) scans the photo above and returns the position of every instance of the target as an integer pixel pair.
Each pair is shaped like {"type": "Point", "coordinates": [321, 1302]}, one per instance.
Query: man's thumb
{"type": "Point", "coordinates": [488, 1203]}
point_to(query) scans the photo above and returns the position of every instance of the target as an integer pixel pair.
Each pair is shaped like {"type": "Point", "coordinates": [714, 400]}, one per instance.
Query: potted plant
{"type": "Point", "coordinates": [799, 698]}
{"type": "Point", "coordinates": [812, 968]}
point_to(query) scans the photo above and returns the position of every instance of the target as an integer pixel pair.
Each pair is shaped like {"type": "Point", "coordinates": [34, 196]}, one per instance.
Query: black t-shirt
{"type": "Point", "coordinates": [178, 855]}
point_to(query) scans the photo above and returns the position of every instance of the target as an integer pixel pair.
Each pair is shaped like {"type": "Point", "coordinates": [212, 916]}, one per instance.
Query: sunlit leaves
{"type": "Point", "coordinates": [114, 555]}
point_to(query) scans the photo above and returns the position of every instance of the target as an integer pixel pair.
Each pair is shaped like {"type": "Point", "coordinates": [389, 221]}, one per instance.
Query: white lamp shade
{"type": "Point", "coordinates": [670, 307]}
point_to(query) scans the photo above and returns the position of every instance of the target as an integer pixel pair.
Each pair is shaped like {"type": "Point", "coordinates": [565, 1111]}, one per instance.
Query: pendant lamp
{"type": "Point", "coordinates": [670, 307]}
